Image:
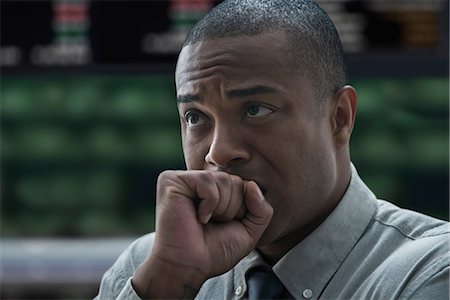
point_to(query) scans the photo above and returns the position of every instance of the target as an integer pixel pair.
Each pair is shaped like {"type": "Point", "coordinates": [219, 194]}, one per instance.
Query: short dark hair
{"type": "Point", "coordinates": [310, 32]}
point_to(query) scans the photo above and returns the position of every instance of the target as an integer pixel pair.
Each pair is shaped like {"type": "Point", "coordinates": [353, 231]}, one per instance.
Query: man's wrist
{"type": "Point", "coordinates": [158, 279]}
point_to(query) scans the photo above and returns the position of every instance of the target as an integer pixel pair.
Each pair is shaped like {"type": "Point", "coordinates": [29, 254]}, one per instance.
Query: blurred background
{"type": "Point", "coordinates": [89, 120]}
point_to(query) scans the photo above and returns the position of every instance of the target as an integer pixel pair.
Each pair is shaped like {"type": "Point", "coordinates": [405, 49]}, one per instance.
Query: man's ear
{"type": "Point", "coordinates": [343, 113]}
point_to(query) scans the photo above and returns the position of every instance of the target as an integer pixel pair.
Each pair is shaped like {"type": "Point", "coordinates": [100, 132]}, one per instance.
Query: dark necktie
{"type": "Point", "coordinates": [262, 283]}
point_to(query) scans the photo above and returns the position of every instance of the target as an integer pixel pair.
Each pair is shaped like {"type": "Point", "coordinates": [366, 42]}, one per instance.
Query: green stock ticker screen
{"type": "Point", "coordinates": [81, 153]}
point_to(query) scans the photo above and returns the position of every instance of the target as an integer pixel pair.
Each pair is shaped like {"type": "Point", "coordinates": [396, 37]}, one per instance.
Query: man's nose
{"type": "Point", "coordinates": [227, 148]}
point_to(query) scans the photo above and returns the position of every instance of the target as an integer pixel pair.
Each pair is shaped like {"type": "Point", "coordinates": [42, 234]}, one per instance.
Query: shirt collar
{"type": "Point", "coordinates": [311, 263]}
{"type": "Point", "coordinates": [250, 261]}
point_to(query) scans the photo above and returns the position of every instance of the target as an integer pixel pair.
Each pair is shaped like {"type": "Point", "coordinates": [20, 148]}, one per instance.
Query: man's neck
{"type": "Point", "coordinates": [274, 251]}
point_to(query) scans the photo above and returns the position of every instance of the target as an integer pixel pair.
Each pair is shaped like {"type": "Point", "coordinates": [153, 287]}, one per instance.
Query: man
{"type": "Point", "coordinates": [266, 117]}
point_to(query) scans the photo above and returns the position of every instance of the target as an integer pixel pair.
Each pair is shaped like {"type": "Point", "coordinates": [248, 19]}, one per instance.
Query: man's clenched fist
{"type": "Point", "coordinates": [206, 221]}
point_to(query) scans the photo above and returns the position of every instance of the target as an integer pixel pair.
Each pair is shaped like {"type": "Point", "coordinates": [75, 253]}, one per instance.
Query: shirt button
{"type": "Point", "coordinates": [238, 291]}
{"type": "Point", "coordinates": [307, 293]}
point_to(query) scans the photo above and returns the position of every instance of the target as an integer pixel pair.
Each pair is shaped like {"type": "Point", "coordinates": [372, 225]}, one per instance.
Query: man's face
{"type": "Point", "coordinates": [247, 110]}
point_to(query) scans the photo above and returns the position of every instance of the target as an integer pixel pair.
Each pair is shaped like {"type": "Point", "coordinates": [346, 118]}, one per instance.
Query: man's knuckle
{"type": "Point", "coordinates": [224, 179]}
{"type": "Point", "coordinates": [166, 176]}
{"type": "Point", "coordinates": [237, 182]}
{"type": "Point", "coordinates": [206, 177]}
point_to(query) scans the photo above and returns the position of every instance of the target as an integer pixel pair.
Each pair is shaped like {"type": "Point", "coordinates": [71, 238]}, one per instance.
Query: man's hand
{"type": "Point", "coordinates": [205, 223]}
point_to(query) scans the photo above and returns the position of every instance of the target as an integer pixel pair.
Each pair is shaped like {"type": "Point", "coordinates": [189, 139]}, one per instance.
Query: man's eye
{"type": "Point", "coordinates": [194, 119]}
{"type": "Point", "coordinates": [255, 110]}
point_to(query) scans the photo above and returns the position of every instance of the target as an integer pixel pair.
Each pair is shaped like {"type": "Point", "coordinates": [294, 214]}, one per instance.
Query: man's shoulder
{"type": "Point", "coordinates": [117, 278]}
{"type": "Point", "coordinates": [133, 255]}
{"type": "Point", "coordinates": [419, 246]}
{"type": "Point", "coordinates": [141, 247]}
{"type": "Point", "coordinates": [144, 241]}
{"type": "Point", "coordinates": [411, 236]}
{"type": "Point", "coordinates": [401, 254]}
{"type": "Point", "coordinates": [410, 224]}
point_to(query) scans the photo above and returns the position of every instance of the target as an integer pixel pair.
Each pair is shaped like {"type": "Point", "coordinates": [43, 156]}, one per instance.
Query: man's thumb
{"type": "Point", "coordinates": [259, 211]}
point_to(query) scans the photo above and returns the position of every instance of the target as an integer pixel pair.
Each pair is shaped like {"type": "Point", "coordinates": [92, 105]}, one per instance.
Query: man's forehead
{"type": "Point", "coordinates": [239, 38]}
{"type": "Point", "coordinates": [255, 52]}
{"type": "Point", "coordinates": [262, 43]}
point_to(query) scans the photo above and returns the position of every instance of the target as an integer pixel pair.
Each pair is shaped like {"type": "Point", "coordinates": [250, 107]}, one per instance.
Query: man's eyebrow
{"type": "Point", "coordinates": [187, 98]}
{"type": "Point", "coordinates": [250, 91]}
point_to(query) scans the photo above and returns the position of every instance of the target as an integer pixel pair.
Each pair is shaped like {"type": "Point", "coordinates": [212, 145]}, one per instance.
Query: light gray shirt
{"type": "Point", "coordinates": [365, 249]}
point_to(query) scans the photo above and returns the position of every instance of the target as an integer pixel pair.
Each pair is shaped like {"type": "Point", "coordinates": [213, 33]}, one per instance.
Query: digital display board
{"type": "Point", "coordinates": [142, 33]}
